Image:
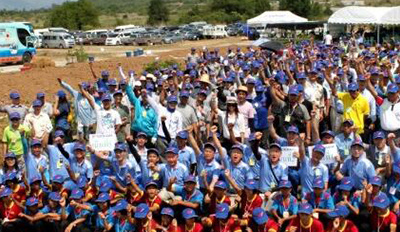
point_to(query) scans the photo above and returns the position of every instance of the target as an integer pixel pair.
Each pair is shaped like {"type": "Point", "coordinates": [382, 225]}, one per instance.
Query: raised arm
{"type": "Point", "coordinates": [92, 71]}
{"type": "Point", "coordinates": [193, 142]}
{"type": "Point", "coordinates": [88, 97]}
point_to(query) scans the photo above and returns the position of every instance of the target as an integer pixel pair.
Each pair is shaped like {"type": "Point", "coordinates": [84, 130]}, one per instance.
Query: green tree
{"type": "Point", "coordinates": [157, 12]}
{"type": "Point", "coordinates": [260, 6]}
{"type": "Point", "coordinates": [298, 7]}
{"type": "Point", "coordinates": [74, 15]}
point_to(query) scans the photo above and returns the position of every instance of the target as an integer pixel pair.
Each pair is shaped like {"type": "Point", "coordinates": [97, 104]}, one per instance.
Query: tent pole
{"type": "Point", "coordinates": [378, 35]}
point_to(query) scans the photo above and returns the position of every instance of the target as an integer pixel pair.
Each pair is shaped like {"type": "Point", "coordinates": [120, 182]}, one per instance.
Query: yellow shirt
{"type": "Point", "coordinates": [355, 109]}
{"type": "Point", "coordinates": [13, 139]}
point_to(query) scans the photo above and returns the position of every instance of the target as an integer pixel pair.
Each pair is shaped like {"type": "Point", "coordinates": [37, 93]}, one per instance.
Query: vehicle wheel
{"type": "Point", "coordinates": [61, 46]}
{"type": "Point", "coordinates": [119, 43]}
{"type": "Point", "coordinates": [26, 58]}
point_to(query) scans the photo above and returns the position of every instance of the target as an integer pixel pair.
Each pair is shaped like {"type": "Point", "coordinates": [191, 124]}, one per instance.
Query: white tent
{"type": "Point", "coordinates": [366, 15]}
{"type": "Point", "coordinates": [274, 17]}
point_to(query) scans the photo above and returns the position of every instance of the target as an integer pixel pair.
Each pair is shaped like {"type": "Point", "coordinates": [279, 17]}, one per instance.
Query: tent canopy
{"type": "Point", "coordinates": [366, 15]}
{"type": "Point", "coordinates": [273, 17]}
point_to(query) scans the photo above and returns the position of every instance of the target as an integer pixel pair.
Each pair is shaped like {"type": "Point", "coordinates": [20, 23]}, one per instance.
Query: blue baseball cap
{"type": "Point", "coordinates": [153, 150]}
{"type": "Point", "coordinates": [37, 103]}
{"type": "Point", "coordinates": [182, 134]}
{"type": "Point", "coordinates": [393, 88]}
{"type": "Point", "coordinates": [222, 211]}
{"type": "Point", "coordinates": [141, 134]}
{"type": "Point", "coordinates": [172, 99]}
{"type": "Point", "coordinates": [58, 179]}
{"type": "Point", "coordinates": [141, 210]}
{"type": "Point", "coordinates": [374, 71]}
{"type": "Point", "coordinates": [167, 211]}
{"type": "Point", "coordinates": [237, 147]}
{"type": "Point", "coordinates": [103, 197]}
{"type": "Point", "coordinates": [61, 93]}
{"type": "Point", "coordinates": [210, 145]}
{"type": "Point", "coordinates": [120, 146]}
{"type": "Point", "coordinates": [305, 208]}
{"type": "Point", "coordinates": [346, 184]}
{"type": "Point", "coordinates": [352, 87]}
{"type": "Point", "coordinates": [328, 132]}
{"type": "Point", "coordinates": [122, 82]}
{"type": "Point", "coordinates": [251, 184]}
{"type": "Point", "coordinates": [112, 82]}
{"type": "Point", "coordinates": [361, 77]}
{"type": "Point", "coordinates": [10, 176]}
{"type": "Point", "coordinates": [106, 97]}
{"type": "Point", "coordinates": [285, 184]}
{"type": "Point", "coordinates": [349, 121]}
{"type": "Point", "coordinates": [40, 94]}
{"type": "Point", "coordinates": [293, 90]}
{"type": "Point", "coordinates": [184, 94]}
{"type": "Point", "coordinates": [358, 142]}
{"type": "Point", "coordinates": [151, 183]}
{"type": "Point", "coordinates": [121, 205]}
{"type": "Point", "coordinates": [6, 192]}
{"type": "Point", "coordinates": [275, 145]}
{"type": "Point", "coordinates": [32, 201]}
{"type": "Point", "coordinates": [14, 95]}
{"type": "Point", "coordinates": [221, 184]}
{"type": "Point", "coordinates": [189, 213]}
{"type": "Point", "coordinates": [190, 179]}
{"type": "Point", "coordinates": [293, 129]}
{"type": "Point", "coordinates": [260, 216]}
{"type": "Point", "coordinates": [15, 115]}
{"type": "Point", "coordinates": [10, 155]}
{"type": "Point", "coordinates": [381, 201]}
{"type": "Point", "coordinates": [319, 148]}
{"type": "Point", "coordinates": [379, 135]}
{"type": "Point", "coordinates": [250, 81]}
{"type": "Point", "coordinates": [117, 92]}
{"type": "Point", "coordinates": [102, 90]}
{"type": "Point", "coordinates": [35, 178]}
{"type": "Point", "coordinates": [396, 167]}
{"type": "Point", "coordinates": [76, 194]}
{"type": "Point", "coordinates": [301, 75]}
{"type": "Point", "coordinates": [260, 88]}
{"type": "Point", "coordinates": [105, 185]}
{"type": "Point", "coordinates": [105, 73]}
{"type": "Point", "coordinates": [55, 196]}
{"type": "Point", "coordinates": [173, 150]}
{"type": "Point", "coordinates": [318, 183]}
{"type": "Point", "coordinates": [79, 146]}
{"type": "Point", "coordinates": [340, 211]}
{"type": "Point", "coordinates": [204, 92]}
{"type": "Point", "coordinates": [376, 180]}
{"type": "Point", "coordinates": [59, 133]}
{"type": "Point", "coordinates": [82, 181]}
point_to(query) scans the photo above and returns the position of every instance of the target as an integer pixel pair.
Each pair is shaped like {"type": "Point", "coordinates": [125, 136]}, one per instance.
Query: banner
{"type": "Point", "coordinates": [331, 152]}
{"type": "Point", "coordinates": [101, 142]}
{"type": "Point", "coordinates": [287, 156]}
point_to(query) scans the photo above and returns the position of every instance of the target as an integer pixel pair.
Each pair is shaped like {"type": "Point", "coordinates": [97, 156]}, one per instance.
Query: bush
{"type": "Point", "coordinates": [78, 54]}
{"type": "Point", "coordinates": [152, 66]}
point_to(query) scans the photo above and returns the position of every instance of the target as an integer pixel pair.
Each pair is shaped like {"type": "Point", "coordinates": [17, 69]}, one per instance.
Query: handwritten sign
{"type": "Point", "coordinates": [102, 142]}
{"type": "Point", "coordinates": [287, 156]}
{"type": "Point", "coordinates": [331, 152]}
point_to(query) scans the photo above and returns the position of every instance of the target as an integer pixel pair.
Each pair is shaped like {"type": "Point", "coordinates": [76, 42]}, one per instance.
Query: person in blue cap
{"type": "Point", "coordinates": [217, 196]}
{"type": "Point", "coordinates": [357, 167]}
{"type": "Point", "coordinates": [339, 222]}
{"type": "Point", "coordinates": [222, 221]}
{"type": "Point", "coordinates": [28, 216]}
{"type": "Point", "coordinates": [103, 212]}
{"type": "Point", "coordinates": [187, 111]}
{"type": "Point", "coordinates": [62, 110]}
{"type": "Point", "coordinates": [185, 153]}
{"type": "Point", "coordinates": [103, 80]}
{"type": "Point", "coordinates": [345, 139]}
{"type": "Point", "coordinates": [19, 189]}
{"type": "Point", "coordinates": [9, 211]}
{"type": "Point", "coordinates": [393, 187]}
{"type": "Point", "coordinates": [38, 122]}
{"type": "Point", "coordinates": [14, 135]}
{"type": "Point", "coordinates": [261, 222]}
{"type": "Point", "coordinates": [191, 196]}
{"type": "Point", "coordinates": [10, 164]}
{"type": "Point", "coordinates": [190, 224]}
{"type": "Point", "coordinates": [379, 153]}
{"type": "Point", "coordinates": [370, 121]}
{"type": "Point", "coordinates": [168, 221]}
{"type": "Point", "coordinates": [83, 113]}
{"type": "Point", "coordinates": [79, 212]}
{"type": "Point", "coordinates": [54, 215]}
{"type": "Point", "coordinates": [46, 107]}
{"type": "Point", "coordinates": [382, 219]}
{"type": "Point", "coordinates": [284, 207]}
{"type": "Point", "coordinates": [320, 200]}
{"type": "Point", "coordinates": [36, 191]}
{"type": "Point", "coordinates": [36, 162]}
{"type": "Point", "coordinates": [123, 217]}
{"type": "Point", "coordinates": [15, 106]}
{"type": "Point", "coordinates": [305, 221]}
{"type": "Point", "coordinates": [108, 119]}
{"type": "Point", "coordinates": [143, 219]}
{"type": "Point", "coordinates": [124, 113]}
{"type": "Point", "coordinates": [346, 196]}
{"type": "Point", "coordinates": [372, 189]}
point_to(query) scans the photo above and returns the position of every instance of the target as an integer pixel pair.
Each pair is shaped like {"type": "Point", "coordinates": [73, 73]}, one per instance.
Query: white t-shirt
{"type": "Point", "coordinates": [239, 124]}
{"type": "Point", "coordinates": [106, 120]}
{"type": "Point", "coordinates": [328, 39]}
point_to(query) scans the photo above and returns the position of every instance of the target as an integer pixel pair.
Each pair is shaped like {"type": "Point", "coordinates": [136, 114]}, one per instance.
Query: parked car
{"type": "Point", "coordinates": [131, 40]}
{"type": "Point", "coordinates": [172, 38]}
{"type": "Point", "coordinates": [195, 35]}
{"type": "Point", "coordinates": [115, 39]}
{"type": "Point", "coordinates": [58, 40]}
{"type": "Point", "coordinates": [99, 39]}
{"type": "Point", "coordinates": [149, 39]}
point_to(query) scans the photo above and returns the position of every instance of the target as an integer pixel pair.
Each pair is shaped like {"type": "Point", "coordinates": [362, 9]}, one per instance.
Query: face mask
{"type": "Point", "coordinates": [170, 110]}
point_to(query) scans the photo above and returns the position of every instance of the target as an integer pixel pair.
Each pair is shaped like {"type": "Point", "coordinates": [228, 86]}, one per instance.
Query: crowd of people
{"type": "Point", "coordinates": [199, 146]}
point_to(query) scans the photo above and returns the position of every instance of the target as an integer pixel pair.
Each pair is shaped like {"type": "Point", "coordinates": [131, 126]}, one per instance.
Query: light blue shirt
{"type": "Point", "coordinates": [187, 156]}
{"type": "Point", "coordinates": [109, 217]}
{"type": "Point", "coordinates": [58, 161]}
{"type": "Point", "coordinates": [277, 204]}
{"type": "Point", "coordinates": [33, 164]}
{"type": "Point", "coordinates": [213, 169]}
{"type": "Point", "coordinates": [180, 171]}
{"type": "Point", "coordinates": [308, 172]}
{"type": "Point", "coordinates": [250, 159]}
{"type": "Point", "coordinates": [240, 172]}
{"type": "Point", "coordinates": [267, 179]}
{"type": "Point", "coordinates": [344, 144]}
{"type": "Point", "coordinates": [359, 170]}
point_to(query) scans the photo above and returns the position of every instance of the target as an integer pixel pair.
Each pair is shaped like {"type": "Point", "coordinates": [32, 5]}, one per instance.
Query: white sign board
{"type": "Point", "coordinates": [331, 152]}
{"type": "Point", "coordinates": [287, 156]}
{"type": "Point", "coordinates": [101, 142]}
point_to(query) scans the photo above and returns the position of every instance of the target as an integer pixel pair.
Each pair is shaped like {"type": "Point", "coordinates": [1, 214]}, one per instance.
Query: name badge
{"type": "Point", "coordinates": [251, 162]}
{"type": "Point", "coordinates": [316, 215]}
{"type": "Point", "coordinates": [287, 118]}
{"type": "Point", "coordinates": [59, 163]}
{"type": "Point", "coordinates": [392, 190]}
{"type": "Point", "coordinates": [346, 152]}
{"type": "Point", "coordinates": [285, 214]}
{"type": "Point", "coordinates": [156, 176]}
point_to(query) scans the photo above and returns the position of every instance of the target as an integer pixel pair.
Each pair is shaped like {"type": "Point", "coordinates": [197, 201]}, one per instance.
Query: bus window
{"type": "Point", "coordinates": [22, 34]}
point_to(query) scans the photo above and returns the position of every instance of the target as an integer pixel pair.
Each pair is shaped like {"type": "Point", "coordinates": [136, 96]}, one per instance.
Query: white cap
{"type": "Point", "coordinates": [138, 83]}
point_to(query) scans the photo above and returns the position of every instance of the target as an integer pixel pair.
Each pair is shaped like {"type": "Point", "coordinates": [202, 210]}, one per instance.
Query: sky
{"type": "Point", "coordinates": [27, 4]}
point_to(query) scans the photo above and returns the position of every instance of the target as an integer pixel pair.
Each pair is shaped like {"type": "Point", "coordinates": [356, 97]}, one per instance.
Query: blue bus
{"type": "Point", "coordinates": [17, 43]}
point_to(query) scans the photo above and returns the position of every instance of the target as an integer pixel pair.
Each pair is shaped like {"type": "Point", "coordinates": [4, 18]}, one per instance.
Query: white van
{"type": "Point", "coordinates": [116, 39]}
{"type": "Point", "coordinates": [217, 31]}
{"type": "Point", "coordinates": [58, 40]}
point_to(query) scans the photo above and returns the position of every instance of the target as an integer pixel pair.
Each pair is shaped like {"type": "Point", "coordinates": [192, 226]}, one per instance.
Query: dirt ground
{"type": "Point", "coordinates": [32, 81]}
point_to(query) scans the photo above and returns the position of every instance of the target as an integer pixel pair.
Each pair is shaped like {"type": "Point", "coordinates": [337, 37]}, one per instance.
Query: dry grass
{"type": "Point", "coordinates": [42, 62]}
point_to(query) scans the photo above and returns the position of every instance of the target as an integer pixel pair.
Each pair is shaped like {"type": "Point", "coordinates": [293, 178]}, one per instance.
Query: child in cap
{"type": "Point", "coordinates": [338, 222]}
{"type": "Point", "coordinates": [190, 222]}
{"type": "Point", "coordinates": [217, 196]}
{"type": "Point", "coordinates": [14, 135]}
{"type": "Point", "coordinates": [284, 206]}
{"type": "Point", "coordinates": [222, 220]}
{"type": "Point", "coordinates": [35, 190]}
{"type": "Point", "coordinates": [320, 200]}
{"type": "Point", "coordinates": [54, 214]}
{"type": "Point", "coordinates": [105, 187]}
{"type": "Point", "coordinates": [79, 211]}
{"type": "Point", "coordinates": [191, 197]}
{"type": "Point", "coordinates": [9, 211]}
{"type": "Point", "coordinates": [261, 222]}
{"type": "Point", "coordinates": [10, 164]}
{"type": "Point", "coordinates": [89, 190]}
{"type": "Point", "coordinates": [18, 190]}
{"type": "Point", "coordinates": [104, 214]}
{"type": "Point", "coordinates": [123, 217]}
{"type": "Point", "coordinates": [28, 216]}
{"type": "Point", "coordinates": [168, 222]}
{"type": "Point", "coordinates": [372, 190]}
{"type": "Point", "coordinates": [36, 161]}
{"type": "Point", "coordinates": [151, 198]}
{"type": "Point", "coordinates": [382, 219]}
{"type": "Point", "coordinates": [58, 186]}
{"type": "Point", "coordinates": [305, 221]}
{"type": "Point", "coordinates": [347, 197]}
{"type": "Point", "coordinates": [144, 221]}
